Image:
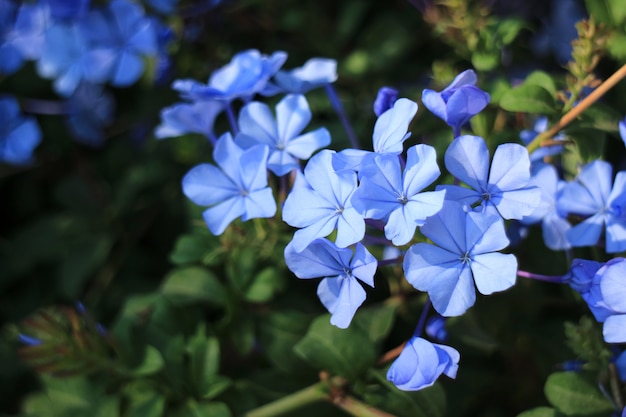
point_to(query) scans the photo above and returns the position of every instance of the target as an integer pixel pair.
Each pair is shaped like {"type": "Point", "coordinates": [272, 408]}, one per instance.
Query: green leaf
{"type": "Point", "coordinates": [196, 409]}
{"type": "Point", "coordinates": [428, 402]}
{"type": "Point", "coordinates": [610, 12]}
{"type": "Point", "coordinates": [485, 60]}
{"type": "Point", "coordinates": [376, 321]}
{"type": "Point", "coordinates": [264, 285]}
{"type": "Point", "coordinates": [204, 360]}
{"type": "Point", "coordinates": [540, 412]}
{"type": "Point", "coordinates": [88, 254]}
{"type": "Point", "coordinates": [575, 395]}
{"type": "Point", "coordinates": [346, 352]}
{"type": "Point", "coordinates": [193, 284]}
{"type": "Point", "coordinates": [508, 29]}
{"type": "Point", "coordinates": [616, 45]}
{"type": "Point", "coordinates": [193, 248]}
{"type": "Point", "coordinates": [280, 331]}
{"type": "Point", "coordinates": [143, 400]}
{"type": "Point", "coordinates": [541, 79]}
{"type": "Point", "coordinates": [528, 98]}
{"type": "Point", "coordinates": [152, 362]}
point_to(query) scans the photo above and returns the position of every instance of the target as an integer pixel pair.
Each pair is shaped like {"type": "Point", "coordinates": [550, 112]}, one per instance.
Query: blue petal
{"type": "Point", "coordinates": [484, 233]}
{"type": "Point", "coordinates": [613, 285]}
{"type": "Point", "coordinates": [303, 146]}
{"type": "Point", "coordinates": [258, 124]}
{"type": "Point", "coordinates": [434, 102]}
{"type": "Point", "coordinates": [555, 232]}
{"type": "Point", "coordinates": [292, 116]}
{"type": "Point", "coordinates": [614, 329]}
{"type": "Point", "coordinates": [321, 258]}
{"type": "Point", "coordinates": [447, 228]}
{"type": "Point", "coordinates": [575, 198]}
{"type": "Point", "coordinates": [221, 215]}
{"type": "Point", "coordinates": [615, 234]}
{"type": "Point", "coordinates": [342, 296]}
{"type": "Point", "coordinates": [349, 159]}
{"type": "Point", "coordinates": [466, 78]}
{"type": "Point", "coordinates": [391, 127]}
{"type": "Point", "coordinates": [597, 177]}
{"type": "Point", "coordinates": [314, 230]}
{"type": "Point", "coordinates": [516, 204]}
{"type": "Point", "coordinates": [259, 204]}
{"type": "Point", "coordinates": [20, 143]}
{"type": "Point", "coordinates": [421, 169]}
{"type": "Point", "coordinates": [586, 233]}
{"type": "Point", "coordinates": [380, 187]}
{"type": "Point", "coordinates": [464, 103]}
{"type": "Point", "coordinates": [467, 158]}
{"type": "Point", "coordinates": [227, 155]}
{"type": "Point", "coordinates": [206, 185]}
{"type": "Point", "coordinates": [494, 272]}
{"type": "Point", "coordinates": [252, 165]}
{"type": "Point", "coordinates": [510, 168]}
{"type": "Point", "coordinates": [350, 228]}
{"type": "Point", "coordinates": [128, 69]}
{"type": "Point", "coordinates": [364, 265]}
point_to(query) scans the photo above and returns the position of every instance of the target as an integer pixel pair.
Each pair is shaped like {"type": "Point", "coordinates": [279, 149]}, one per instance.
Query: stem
{"type": "Point", "coordinates": [358, 409]}
{"type": "Point", "coordinates": [456, 131]}
{"type": "Point", "coordinates": [581, 107]}
{"type": "Point", "coordinates": [556, 279]}
{"type": "Point", "coordinates": [48, 107]}
{"type": "Point", "coordinates": [338, 107]}
{"type": "Point", "coordinates": [314, 393]}
{"type": "Point", "coordinates": [230, 112]}
{"type": "Point", "coordinates": [392, 261]}
{"type": "Point", "coordinates": [422, 321]}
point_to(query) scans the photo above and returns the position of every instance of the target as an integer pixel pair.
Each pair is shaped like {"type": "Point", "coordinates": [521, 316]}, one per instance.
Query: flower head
{"type": "Point", "coordinates": [236, 187]}
{"type": "Point", "coordinates": [283, 134]}
{"type": "Point", "coordinates": [385, 98]}
{"type": "Point", "coordinates": [316, 72]}
{"type": "Point", "coordinates": [19, 135]}
{"type": "Point", "coordinates": [458, 102]}
{"type": "Point", "coordinates": [339, 291]}
{"type": "Point", "coordinates": [463, 254]}
{"type": "Point", "coordinates": [421, 363]}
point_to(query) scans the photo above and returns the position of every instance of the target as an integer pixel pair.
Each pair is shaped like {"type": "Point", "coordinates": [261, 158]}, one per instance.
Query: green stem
{"type": "Point", "coordinates": [314, 393]}
{"type": "Point", "coordinates": [358, 409]}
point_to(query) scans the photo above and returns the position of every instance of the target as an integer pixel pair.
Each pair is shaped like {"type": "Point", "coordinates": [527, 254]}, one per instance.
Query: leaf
{"type": "Point", "coordinates": [377, 321]}
{"type": "Point", "coordinates": [347, 352]}
{"type": "Point", "coordinates": [541, 79]}
{"type": "Point", "coordinates": [428, 402]}
{"type": "Point", "coordinates": [87, 255]}
{"type": "Point", "coordinates": [264, 285]}
{"type": "Point", "coordinates": [193, 284]}
{"type": "Point", "coordinates": [540, 412]}
{"type": "Point", "coordinates": [193, 248]}
{"type": "Point", "coordinates": [610, 12]}
{"type": "Point", "coordinates": [143, 400]}
{"type": "Point", "coordinates": [485, 60]}
{"type": "Point", "coordinates": [152, 362]}
{"type": "Point", "coordinates": [616, 45]}
{"type": "Point", "coordinates": [574, 395]}
{"type": "Point", "coordinates": [280, 331]}
{"type": "Point", "coordinates": [204, 360]}
{"type": "Point", "coordinates": [508, 29]}
{"type": "Point", "coordinates": [528, 98]}
{"type": "Point", "coordinates": [197, 409]}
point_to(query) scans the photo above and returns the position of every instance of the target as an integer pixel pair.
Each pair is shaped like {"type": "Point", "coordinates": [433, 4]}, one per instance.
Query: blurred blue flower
{"type": "Point", "coordinates": [244, 76]}
{"type": "Point", "coordinates": [68, 10]}
{"type": "Point", "coordinates": [281, 134]}
{"type": "Point", "coordinates": [29, 340]}
{"type": "Point", "coordinates": [421, 363]}
{"type": "Point", "coordinates": [559, 30]}
{"type": "Point", "coordinates": [119, 37]}
{"type": "Point", "coordinates": [385, 192]}
{"type": "Point", "coordinates": [31, 23]}
{"type": "Point", "coordinates": [163, 6]}
{"type": "Point", "coordinates": [540, 126]}
{"type": "Point", "coordinates": [592, 196]}
{"type": "Point", "coordinates": [316, 72]}
{"type": "Point", "coordinates": [504, 186]}
{"type": "Point", "coordinates": [458, 102]}
{"type": "Point", "coordinates": [436, 328]}
{"type": "Point", "coordinates": [339, 291]}
{"type": "Point", "coordinates": [183, 118]}
{"type": "Point", "coordinates": [580, 275]}
{"type": "Point", "coordinates": [553, 222]}
{"type": "Point", "coordinates": [606, 298]}
{"type": "Point", "coordinates": [236, 187]}
{"type": "Point", "coordinates": [11, 58]}
{"type": "Point", "coordinates": [19, 135]}
{"type": "Point", "coordinates": [320, 202]}
{"type": "Point", "coordinates": [622, 130]}
{"type": "Point", "coordinates": [390, 132]}
{"type": "Point", "coordinates": [464, 255]}
{"type": "Point", "coordinates": [385, 98]}
{"type": "Point", "coordinates": [89, 110]}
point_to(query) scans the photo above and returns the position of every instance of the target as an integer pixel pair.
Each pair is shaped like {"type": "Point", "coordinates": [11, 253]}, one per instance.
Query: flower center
{"type": "Point", "coordinates": [465, 258]}
{"type": "Point", "coordinates": [403, 199]}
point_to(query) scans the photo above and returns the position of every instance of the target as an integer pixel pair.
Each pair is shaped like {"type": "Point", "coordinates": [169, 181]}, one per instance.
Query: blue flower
{"type": "Point", "coordinates": [591, 195]}
{"type": "Point", "coordinates": [464, 255]}
{"type": "Point", "coordinates": [119, 37]}
{"type": "Point", "coordinates": [90, 110]}
{"type": "Point", "coordinates": [504, 186]}
{"type": "Point", "coordinates": [68, 10]}
{"type": "Point", "coordinates": [385, 98]}
{"type": "Point", "coordinates": [606, 298]}
{"type": "Point", "coordinates": [553, 222]}
{"type": "Point", "coordinates": [11, 58]}
{"type": "Point", "coordinates": [390, 132]}
{"type": "Point", "coordinates": [29, 340]}
{"type": "Point", "coordinates": [385, 192]}
{"type": "Point", "coordinates": [622, 130]}
{"type": "Point", "coordinates": [31, 23]}
{"type": "Point", "coordinates": [339, 291]}
{"type": "Point", "coordinates": [458, 102]}
{"type": "Point", "coordinates": [19, 135]}
{"type": "Point", "coordinates": [183, 118]}
{"type": "Point", "coordinates": [320, 202]}
{"type": "Point", "coordinates": [244, 76]}
{"type": "Point", "coordinates": [580, 275]}
{"type": "Point", "coordinates": [528, 135]}
{"type": "Point", "coordinates": [436, 328]}
{"type": "Point", "coordinates": [421, 363]}
{"type": "Point", "coordinates": [281, 135]}
{"type": "Point", "coordinates": [236, 187]}
{"type": "Point", "coordinates": [316, 72]}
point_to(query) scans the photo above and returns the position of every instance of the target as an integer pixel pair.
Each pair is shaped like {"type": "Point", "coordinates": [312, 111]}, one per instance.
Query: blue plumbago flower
{"type": "Point", "coordinates": [90, 109]}
{"type": "Point", "coordinates": [528, 135]}
{"type": "Point", "coordinates": [68, 10]}
{"type": "Point", "coordinates": [339, 291]}
{"type": "Point", "coordinates": [622, 130]}
{"type": "Point", "coordinates": [559, 30]}
{"type": "Point", "coordinates": [281, 135]}
{"type": "Point", "coordinates": [436, 328]}
{"type": "Point", "coordinates": [19, 135]}
{"type": "Point", "coordinates": [554, 223]}
{"type": "Point", "coordinates": [183, 118]}
{"type": "Point", "coordinates": [320, 202]}
{"type": "Point", "coordinates": [385, 98]}
{"type": "Point", "coordinates": [464, 255]}
{"type": "Point", "coordinates": [580, 275]}
{"type": "Point", "coordinates": [31, 23]}
{"type": "Point", "coordinates": [385, 192]}
{"type": "Point", "coordinates": [421, 363]}
{"type": "Point", "coordinates": [236, 187]}
{"type": "Point", "coordinates": [11, 58]}
{"type": "Point", "coordinates": [119, 37]}
{"type": "Point", "coordinates": [316, 72]}
{"type": "Point", "coordinates": [591, 195]}
{"type": "Point", "coordinates": [504, 186]}
{"type": "Point", "coordinates": [606, 298]}
{"type": "Point", "coordinates": [29, 340]}
{"type": "Point", "coordinates": [163, 6]}
{"type": "Point", "coordinates": [65, 59]}
{"type": "Point", "coordinates": [246, 75]}
{"type": "Point", "coordinates": [390, 132]}
{"type": "Point", "coordinates": [458, 102]}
